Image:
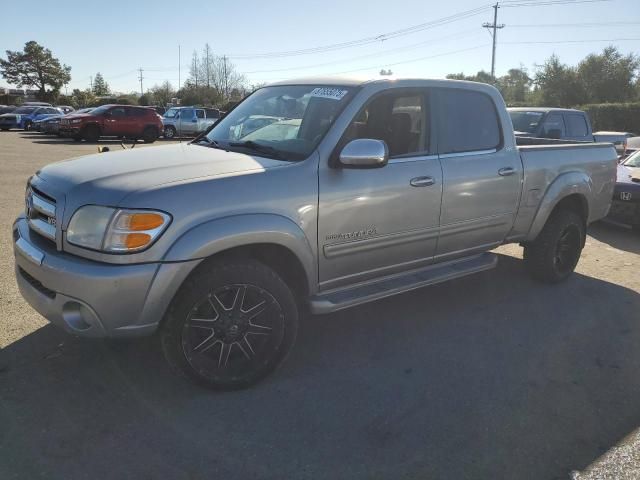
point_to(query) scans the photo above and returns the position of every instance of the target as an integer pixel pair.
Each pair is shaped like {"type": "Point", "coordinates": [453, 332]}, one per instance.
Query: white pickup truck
{"type": "Point", "coordinates": [358, 191]}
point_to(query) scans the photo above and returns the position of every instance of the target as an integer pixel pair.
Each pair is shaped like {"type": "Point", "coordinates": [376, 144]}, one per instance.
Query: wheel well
{"type": "Point", "coordinates": [575, 203]}
{"type": "Point", "coordinates": [578, 204]}
{"type": "Point", "coordinates": [282, 260]}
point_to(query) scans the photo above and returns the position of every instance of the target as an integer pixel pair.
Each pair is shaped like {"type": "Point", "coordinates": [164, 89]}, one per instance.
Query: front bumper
{"type": "Point", "coordinates": [90, 298]}
{"type": "Point", "coordinates": [69, 131]}
{"type": "Point", "coordinates": [625, 212]}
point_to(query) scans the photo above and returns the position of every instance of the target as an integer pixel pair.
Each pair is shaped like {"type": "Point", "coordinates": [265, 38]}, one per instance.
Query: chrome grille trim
{"type": "Point", "coordinates": [41, 214]}
{"type": "Point", "coordinates": [43, 228]}
{"type": "Point", "coordinates": [43, 206]}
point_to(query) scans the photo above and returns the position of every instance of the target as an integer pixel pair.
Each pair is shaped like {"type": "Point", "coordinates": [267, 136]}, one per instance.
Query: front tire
{"type": "Point", "coordinates": [92, 133]}
{"type": "Point", "coordinates": [553, 256]}
{"type": "Point", "coordinates": [230, 325]}
{"type": "Point", "coordinates": [28, 126]}
{"type": "Point", "coordinates": [150, 134]}
{"type": "Point", "coordinates": [169, 132]}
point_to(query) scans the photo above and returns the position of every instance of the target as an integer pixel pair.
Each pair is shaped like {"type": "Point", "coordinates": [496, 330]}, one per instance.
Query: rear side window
{"type": "Point", "coordinates": [553, 122]}
{"type": "Point", "coordinates": [200, 113]}
{"type": "Point", "coordinates": [576, 125]}
{"type": "Point", "coordinates": [118, 112]}
{"type": "Point", "coordinates": [212, 113]}
{"type": "Point", "coordinates": [467, 122]}
{"type": "Point", "coordinates": [139, 112]}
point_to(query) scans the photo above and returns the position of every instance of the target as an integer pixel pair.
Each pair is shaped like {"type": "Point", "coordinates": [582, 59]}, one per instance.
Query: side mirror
{"type": "Point", "coordinates": [554, 133]}
{"type": "Point", "coordinates": [364, 153]}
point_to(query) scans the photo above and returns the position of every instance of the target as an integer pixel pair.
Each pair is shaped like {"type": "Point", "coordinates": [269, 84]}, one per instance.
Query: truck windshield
{"type": "Point", "coordinates": [525, 121]}
{"type": "Point", "coordinates": [299, 116]}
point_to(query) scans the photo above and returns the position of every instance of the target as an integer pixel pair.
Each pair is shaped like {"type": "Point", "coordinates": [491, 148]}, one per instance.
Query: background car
{"type": "Point", "coordinates": [625, 207]}
{"type": "Point", "coordinates": [619, 139]}
{"type": "Point", "coordinates": [188, 121]}
{"type": "Point", "coordinates": [51, 125]}
{"type": "Point", "coordinates": [552, 123]}
{"type": "Point", "coordinates": [7, 108]}
{"type": "Point", "coordinates": [123, 121]}
{"type": "Point", "coordinates": [23, 117]}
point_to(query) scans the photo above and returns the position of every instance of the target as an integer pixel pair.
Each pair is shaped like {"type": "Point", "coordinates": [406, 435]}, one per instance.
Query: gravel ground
{"type": "Point", "coordinates": [487, 377]}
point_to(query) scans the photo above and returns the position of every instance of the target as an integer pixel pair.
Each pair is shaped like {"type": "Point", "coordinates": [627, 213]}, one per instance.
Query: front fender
{"type": "Point", "coordinates": [222, 234]}
{"type": "Point", "coordinates": [564, 185]}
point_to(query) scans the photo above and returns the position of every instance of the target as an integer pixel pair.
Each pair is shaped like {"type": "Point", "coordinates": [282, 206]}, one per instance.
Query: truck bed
{"type": "Point", "coordinates": [587, 163]}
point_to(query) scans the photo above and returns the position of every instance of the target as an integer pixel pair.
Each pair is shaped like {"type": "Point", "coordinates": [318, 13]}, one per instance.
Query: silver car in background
{"type": "Point", "coordinates": [188, 121]}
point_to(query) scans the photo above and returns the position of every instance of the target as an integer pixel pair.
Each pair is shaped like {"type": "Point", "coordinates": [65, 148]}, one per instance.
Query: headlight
{"type": "Point", "coordinates": [114, 230]}
{"type": "Point", "coordinates": [76, 120]}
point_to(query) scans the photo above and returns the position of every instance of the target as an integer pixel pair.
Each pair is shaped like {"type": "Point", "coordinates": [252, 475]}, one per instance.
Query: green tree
{"type": "Point", "coordinates": [163, 93]}
{"type": "Point", "coordinates": [559, 84]}
{"type": "Point", "coordinates": [514, 86]}
{"type": "Point", "coordinates": [82, 98]}
{"type": "Point", "coordinates": [609, 76]}
{"type": "Point", "coordinates": [35, 67]}
{"type": "Point", "coordinates": [100, 86]}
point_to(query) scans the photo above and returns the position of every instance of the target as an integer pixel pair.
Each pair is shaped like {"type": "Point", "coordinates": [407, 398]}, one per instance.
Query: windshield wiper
{"type": "Point", "coordinates": [258, 147]}
{"type": "Point", "coordinates": [207, 142]}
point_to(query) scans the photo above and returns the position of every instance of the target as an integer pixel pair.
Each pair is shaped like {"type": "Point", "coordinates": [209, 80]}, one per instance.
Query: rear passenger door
{"type": "Point", "coordinates": [481, 178]}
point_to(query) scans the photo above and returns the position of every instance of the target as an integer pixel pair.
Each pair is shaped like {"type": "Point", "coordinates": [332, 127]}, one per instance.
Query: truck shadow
{"type": "Point", "coordinates": [616, 236]}
{"type": "Point", "coordinates": [489, 376]}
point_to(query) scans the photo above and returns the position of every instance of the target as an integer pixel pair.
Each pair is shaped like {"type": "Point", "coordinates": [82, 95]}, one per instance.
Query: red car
{"type": "Point", "coordinates": [122, 121]}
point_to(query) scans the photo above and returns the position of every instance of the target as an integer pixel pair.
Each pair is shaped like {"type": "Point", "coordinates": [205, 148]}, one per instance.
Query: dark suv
{"type": "Point", "coordinates": [121, 121]}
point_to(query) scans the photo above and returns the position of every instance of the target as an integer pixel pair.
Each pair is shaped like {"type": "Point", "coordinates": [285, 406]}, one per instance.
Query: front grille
{"type": "Point", "coordinates": [37, 284]}
{"type": "Point", "coordinates": [41, 213]}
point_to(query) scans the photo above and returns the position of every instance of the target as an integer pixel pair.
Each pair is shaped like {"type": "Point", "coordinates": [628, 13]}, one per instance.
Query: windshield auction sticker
{"type": "Point", "coordinates": [325, 92]}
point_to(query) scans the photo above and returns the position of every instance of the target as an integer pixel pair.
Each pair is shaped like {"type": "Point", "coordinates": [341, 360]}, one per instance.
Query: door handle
{"type": "Point", "coordinates": [506, 171]}
{"type": "Point", "coordinates": [422, 181]}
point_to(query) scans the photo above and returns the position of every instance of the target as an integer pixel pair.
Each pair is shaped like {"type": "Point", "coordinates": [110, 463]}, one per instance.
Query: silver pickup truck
{"type": "Point", "coordinates": [357, 191]}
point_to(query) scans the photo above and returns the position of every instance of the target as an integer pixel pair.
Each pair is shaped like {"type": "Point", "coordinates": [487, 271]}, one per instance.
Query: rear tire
{"type": "Point", "coordinates": [77, 138]}
{"type": "Point", "coordinates": [91, 133]}
{"type": "Point", "coordinates": [553, 256]}
{"type": "Point", "coordinates": [150, 134]}
{"type": "Point", "coordinates": [4, 129]}
{"type": "Point", "coordinates": [231, 324]}
{"type": "Point", "coordinates": [169, 132]}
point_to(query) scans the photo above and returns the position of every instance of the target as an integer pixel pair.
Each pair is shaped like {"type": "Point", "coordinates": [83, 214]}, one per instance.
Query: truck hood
{"type": "Point", "coordinates": [106, 178]}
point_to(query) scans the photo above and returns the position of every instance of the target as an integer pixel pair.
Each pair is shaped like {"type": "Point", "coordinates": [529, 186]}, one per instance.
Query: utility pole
{"type": "Point", "coordinates": [494, 26]}
{"type": "Point", "coordinates": [141, 78]}
{"type": "Point", "coordinates": [226, 78]}
{"type": "Point", "coordinates": [91, 83]}
{"type": "Point", "coordinates": [179, 67]}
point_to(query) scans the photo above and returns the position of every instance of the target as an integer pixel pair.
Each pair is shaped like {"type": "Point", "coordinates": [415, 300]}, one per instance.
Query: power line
{"type": "Point", "coordinates": [572, 41]}
{"type": "Point", "coordinates": [368, 40]}
{"type": "Point", "coordinates": [586, 24]}
{"type": "Point", "coordinates": [519, 3]}
{"type": "Point", "coordinates": [360, 57]}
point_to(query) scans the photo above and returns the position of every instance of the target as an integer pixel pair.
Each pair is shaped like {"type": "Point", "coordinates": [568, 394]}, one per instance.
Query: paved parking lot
{"type": "Point", "coordinates": [491, 376]}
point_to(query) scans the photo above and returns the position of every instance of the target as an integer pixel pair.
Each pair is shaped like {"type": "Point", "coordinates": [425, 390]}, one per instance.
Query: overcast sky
{"type": "Point", "coordinates": [118, 37]}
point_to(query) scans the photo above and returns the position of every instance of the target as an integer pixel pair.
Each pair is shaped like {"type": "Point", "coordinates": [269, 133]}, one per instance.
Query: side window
{"type": "Point", "coordinates": [467, 122]}
{"type": "Point", "coordinates": [553, 122]}
{"type": "Point", "coordinates": [118, 112]}
{"type": "Point", "coordinates": [395, 118]}
{"type": "Point", "coordinates": [213, 113]}
{"type": "Point", "coordinates": [187, 114]}
{"type": "Point", "coordinates": [576, 125]}
{"type": "Point", "coordinates": [200, 113]}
